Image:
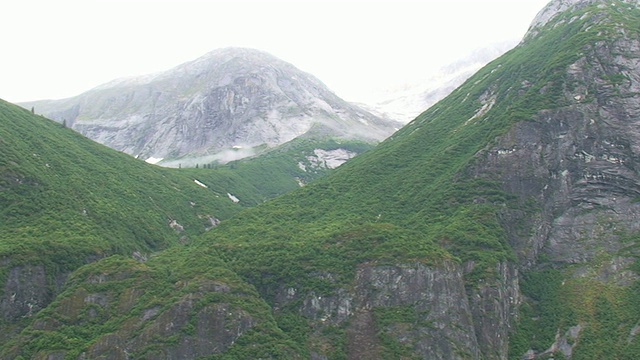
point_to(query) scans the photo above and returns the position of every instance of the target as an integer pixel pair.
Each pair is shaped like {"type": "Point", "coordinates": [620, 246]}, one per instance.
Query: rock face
{"type": "Point", "coordinates": [433, 297]}
{"type": "Point", "coordinates": [25, 292]}
{"type": "Point", "coordinates": [579, 161]}
{"type": "Point", "coordinates": [439, 318]}
{"type": "Point", "coordinates": [559, 6]}
{"type": "Point", "coordinates": [229, 99]}
{"type": "Point", "coordinates": [572, 169]}
{"type": "Point", "coordinates": [577, 165]}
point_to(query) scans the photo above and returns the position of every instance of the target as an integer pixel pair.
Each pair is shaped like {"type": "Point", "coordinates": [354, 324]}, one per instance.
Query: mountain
{"type": "Point", "coordinates": [67, 202]}
{"type": "Point", "coordinates": [500, 223]}
{"type": "Point", "coordinates": [406, 101]}
{"type": "Point", "coordinates": [220, 107]}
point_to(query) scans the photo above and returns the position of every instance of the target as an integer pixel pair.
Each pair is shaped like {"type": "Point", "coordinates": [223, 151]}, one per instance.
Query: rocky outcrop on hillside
{"type": "Point", "coordinates": [424, 309]}
{"type": "Point", "coordinates": [433, 297]}
{"type": "Point", "coordinates": [578, 162]}
{"type": "Point", "coordinates": [557, 7]}
{"type": "Point", "coordinates": [576, 165]}
{"type": "Point", "coordinates": [218, 107]}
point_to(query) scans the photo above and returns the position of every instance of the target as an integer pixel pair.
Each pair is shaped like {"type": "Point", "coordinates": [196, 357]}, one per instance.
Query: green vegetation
{"type": "Point", "coordinates": [414, 198]}
{"type": "Point", "coordinates": [394, 321]}
{"type": "Point", "coordinates": [61, 192]}
{"type": "Point", "coordinates": [606, 315]}
{"type": "Point", "coordinates": [166, 298]}
{"type": "Point", "coordinates": [275, 172]}
{"type": "Point", "coordinates": [414, 185]}
{"type": "Point", "coordinates": [66, 202]}
{"type": "Point", "coordinates": [602, 315]}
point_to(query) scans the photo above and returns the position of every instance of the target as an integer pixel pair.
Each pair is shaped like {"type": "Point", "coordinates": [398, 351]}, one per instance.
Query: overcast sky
{"type": "Point", "coordinates": [57, 49]}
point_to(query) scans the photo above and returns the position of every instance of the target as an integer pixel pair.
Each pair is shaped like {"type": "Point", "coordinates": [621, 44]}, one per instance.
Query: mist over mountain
{"type": "Point", "coordinates": [406, 101]}
{"type": "Point", "coordinates": [219, 107]}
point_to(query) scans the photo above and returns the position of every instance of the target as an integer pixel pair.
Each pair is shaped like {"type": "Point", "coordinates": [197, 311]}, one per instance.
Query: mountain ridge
{"type": "Point", "coordinates": [500, 224]}
{"type": "Point", "coordinates": [227, 99]}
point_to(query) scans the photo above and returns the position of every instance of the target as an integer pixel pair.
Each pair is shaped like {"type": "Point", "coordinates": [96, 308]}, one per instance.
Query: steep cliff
{"type": "Point", "coordinates": [210, 108]}
{"type": "Point", "coordinates": [120, 308]}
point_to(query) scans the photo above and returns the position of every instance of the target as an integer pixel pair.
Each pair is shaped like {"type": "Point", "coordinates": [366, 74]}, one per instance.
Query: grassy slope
{"type": "Point", "coordinates": [59, 187]}
{"type": "Point", "coordinates": [276, 172]}
{"type": "Point", "coordinates": [131, 290]}
{"type": "Point", "coordinates": [66, 201]}
{"type": "Point", "coordinates": [408, 200]}
{"type": "Point", "coordinates": [411, 184]}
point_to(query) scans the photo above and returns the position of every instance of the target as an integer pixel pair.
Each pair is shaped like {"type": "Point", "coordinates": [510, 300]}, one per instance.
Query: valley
{"type": "Point", "coordinates": [500, 223]}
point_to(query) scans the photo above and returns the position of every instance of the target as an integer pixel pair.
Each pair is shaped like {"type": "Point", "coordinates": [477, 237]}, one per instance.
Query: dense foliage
{"type": "Point", "coordinates": [66, 201]}
{"type": "Point", "coordinates": [412, 200]}
{"type": "Point", "coordinates": [275, 172]}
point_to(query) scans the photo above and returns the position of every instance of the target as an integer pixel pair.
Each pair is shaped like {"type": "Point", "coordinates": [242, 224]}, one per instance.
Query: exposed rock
{"type": "Point", "coordinates": [328, 159]}
{"type": "Point", "coordinates": [494, 306]}
{"type": "Point", "coordinates": [201, 328]}
{"type": "Point", "coordinates": [557, 7]}
{"type": "Point", "coordinates": [25, 292]}
{"type": "Point", "coordinates": [217, 107]}
{"type": "Point", "coordinates": [175, 226]}
{"type": "Point", "coordinates": [577, 163]}
{"type": "Point", "coordinates": [213, 222]}
{"type": "Point", "coordinates": [139, 256]}
{"type": "Point", "coordinates": [436, 295]}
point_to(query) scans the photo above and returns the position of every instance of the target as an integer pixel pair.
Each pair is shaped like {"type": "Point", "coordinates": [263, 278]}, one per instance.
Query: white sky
{"type": "Point", "coordinates": [56, 49]}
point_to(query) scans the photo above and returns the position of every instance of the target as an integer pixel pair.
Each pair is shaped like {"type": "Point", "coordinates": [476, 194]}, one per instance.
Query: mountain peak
{"type": "Point", "coordinates": [227, 98]}
{"type": "Point", "coordinates": [234, 51]}
{"type": "Point", "coordinates": [556, 7]}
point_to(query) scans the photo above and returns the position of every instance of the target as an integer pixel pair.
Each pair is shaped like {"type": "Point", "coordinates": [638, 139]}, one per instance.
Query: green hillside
{"type": "Point", "coordinates": [66, 201]}
{"type": "Point", "coordinates": [501, 223]}
{"type": "Point", "coordinates": [418, 198]}
{"type": "Point", "coordinates": [277, 171]}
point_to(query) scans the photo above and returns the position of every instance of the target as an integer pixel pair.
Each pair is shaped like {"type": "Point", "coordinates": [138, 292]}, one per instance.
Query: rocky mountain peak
{"type": "Point", "coordinates": [556, 7]}
{"type": "Point", "coordinates": [210, 108]}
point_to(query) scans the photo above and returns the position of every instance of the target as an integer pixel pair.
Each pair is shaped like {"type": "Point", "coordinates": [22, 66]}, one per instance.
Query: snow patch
{"type": "Point", "coordinates": [153, 160]}
{"type": "Point", "coordinates": [330, 159]}
{"type": "Point", "coordinates": [200, 184]}
{"type": "Point", "coordinates": [233, 198]}
{"type": "Point", "coordinates": [175, 226]}
{"type": "Point", "coordinates": [505, 151]}
{"type": "Point", "coordinates": [487, 104]}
